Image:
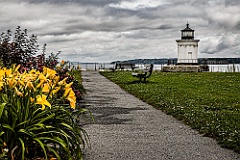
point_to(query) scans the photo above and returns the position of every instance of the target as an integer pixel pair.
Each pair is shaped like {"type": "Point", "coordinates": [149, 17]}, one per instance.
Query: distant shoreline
{"type": "Point", "coordinates": [172, 60]}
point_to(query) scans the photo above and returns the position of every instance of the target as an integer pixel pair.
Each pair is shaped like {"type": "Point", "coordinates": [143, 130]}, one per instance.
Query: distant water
{"type": "Point", "coordinates": [106, 66]}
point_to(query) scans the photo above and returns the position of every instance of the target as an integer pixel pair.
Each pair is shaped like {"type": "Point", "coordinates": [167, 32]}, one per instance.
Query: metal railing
{"type": "Point", "coordinates": [191, 61]}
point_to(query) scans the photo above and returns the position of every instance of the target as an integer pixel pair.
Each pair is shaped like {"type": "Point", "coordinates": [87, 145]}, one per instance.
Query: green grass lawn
{"type": "Point", "coordinates": [208, 102]}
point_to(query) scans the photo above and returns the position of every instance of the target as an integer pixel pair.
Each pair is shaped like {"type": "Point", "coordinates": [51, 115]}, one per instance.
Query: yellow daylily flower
{"type": "Point", "coordinates": [1, 85]}
{"type": "Point", "coordinates": [42, 77]}
{"type": "Point", "coordinates": [16, 69]}
{"type": "Point", "coordinates": [18, 92]}
{"type": "Point", "coordinates": [11, 82]}
{"type": "Point", "coordinates": [49, 72]}
{"type": "Point", "coordinates": [62, 82]}
{"type": "Point", "coordinates": [69, 85]}
{"type": "Point", "coordinates": [62, 63]}
{"type": "Point", "coordinates": [72, 99]}
{"type": "Point", "coordinates": [2, 73]}
{"type": "Point", "coordinates": [56, 79]}
{"type": "Point", "coordinates": [8, 72]}
{"type": "Point", "coordinates": [44, 71]}
{"type": "Point", "coordinates": [55, 90]}
{"type": "Point", "coordinates": [33, 71]}
{"type": "Point", "coordinates": [72, 103]}
{"type": "Point", "coordinates": [46, 88]}
{"type": "Point", "coordinates": [67, 91]}
{"type": "Point", "coordinates": [51, 83]}
{"type": "Point", "coordinates": [43, 101]}
{"type": "Point", "coordinates": [32, 100]}
{"type": "Point", "coordinates": [30, 85]}
{"type": "Point", "coordinates": [20, 82]}
{"type": "Point", "coordinates": [40, 84]}
{"type": "Point", "coordinates": [79, 67]}
{"type": "Point", "coordinates": [30, 77]}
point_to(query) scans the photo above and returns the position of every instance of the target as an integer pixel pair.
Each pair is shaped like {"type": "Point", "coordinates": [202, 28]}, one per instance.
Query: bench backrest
{"type": "Point", "coordinates": [148, 70]}
{"type": "Point", "coordinates": [124, 65]}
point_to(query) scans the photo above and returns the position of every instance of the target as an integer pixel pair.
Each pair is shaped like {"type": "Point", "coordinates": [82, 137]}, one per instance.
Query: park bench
{"type": "Point", "coordinates": [145, 73]}
{"type": "Point", "coordinates": [123, 66]}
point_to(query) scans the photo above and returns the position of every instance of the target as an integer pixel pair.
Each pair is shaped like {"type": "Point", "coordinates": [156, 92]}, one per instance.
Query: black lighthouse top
{"type": "Point", "coordinates": [187, 33]}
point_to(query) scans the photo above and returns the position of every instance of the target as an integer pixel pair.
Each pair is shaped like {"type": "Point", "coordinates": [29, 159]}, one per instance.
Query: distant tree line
{"type": "Point", "coordinates": [174, 61]}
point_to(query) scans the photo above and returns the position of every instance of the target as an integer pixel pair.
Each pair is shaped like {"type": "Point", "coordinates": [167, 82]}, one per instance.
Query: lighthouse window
{"type": "Point", "coordinates": [189, 52]}
{"type": "Point", "coordinates": [187, 34]}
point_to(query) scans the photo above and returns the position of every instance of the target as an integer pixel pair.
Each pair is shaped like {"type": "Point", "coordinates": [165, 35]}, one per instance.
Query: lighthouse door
{"type": "Point", "coordinates": [190, 57]}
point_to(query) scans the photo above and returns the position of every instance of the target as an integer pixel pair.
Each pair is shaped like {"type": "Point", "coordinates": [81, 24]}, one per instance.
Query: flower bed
{"type": "Point", "coordinates": [38, 116]}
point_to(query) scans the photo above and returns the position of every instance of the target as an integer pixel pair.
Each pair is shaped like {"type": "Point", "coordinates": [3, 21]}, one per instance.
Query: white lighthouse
{"type": "Point", "coordinates": [187, 56]}
{"type": "Point", "coordinates": [187, 47]}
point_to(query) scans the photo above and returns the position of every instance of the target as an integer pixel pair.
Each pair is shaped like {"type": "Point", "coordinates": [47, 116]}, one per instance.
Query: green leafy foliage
{"type": "Point", "coordinates": [208, 102]}
{"type": "Point", "coordinates": [34, 120]}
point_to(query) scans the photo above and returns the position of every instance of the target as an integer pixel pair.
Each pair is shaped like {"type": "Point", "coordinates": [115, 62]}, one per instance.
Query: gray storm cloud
{"type": "Point", "coordinates": [109, 30]}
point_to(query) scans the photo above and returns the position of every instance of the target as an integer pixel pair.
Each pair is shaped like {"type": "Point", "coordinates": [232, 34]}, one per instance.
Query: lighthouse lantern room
{"type": "Point", "coordinates": [187, 47]}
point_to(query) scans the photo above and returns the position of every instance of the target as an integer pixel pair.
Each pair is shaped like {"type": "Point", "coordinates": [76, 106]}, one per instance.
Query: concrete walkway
{"type": "Point", "coordinates": [129, 129]}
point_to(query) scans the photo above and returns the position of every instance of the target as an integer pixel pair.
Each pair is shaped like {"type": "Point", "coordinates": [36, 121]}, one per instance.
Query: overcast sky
{"type": "Point", "coordinates": [110, 30]}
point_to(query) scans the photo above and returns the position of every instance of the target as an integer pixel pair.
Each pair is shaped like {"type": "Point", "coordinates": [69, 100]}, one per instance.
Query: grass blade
{"type": "Point", "coordinates": [23, 147]}
{"type": "Point", "coordinates": [42, 146]}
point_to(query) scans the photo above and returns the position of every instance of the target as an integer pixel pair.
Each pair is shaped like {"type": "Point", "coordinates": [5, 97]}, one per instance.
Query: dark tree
{"type": "Point", "coordinates": [17, 48]}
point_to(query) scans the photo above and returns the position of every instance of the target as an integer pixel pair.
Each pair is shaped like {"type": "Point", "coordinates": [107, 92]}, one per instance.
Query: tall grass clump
{"type": "Point", "coordinates": [208, 102]}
